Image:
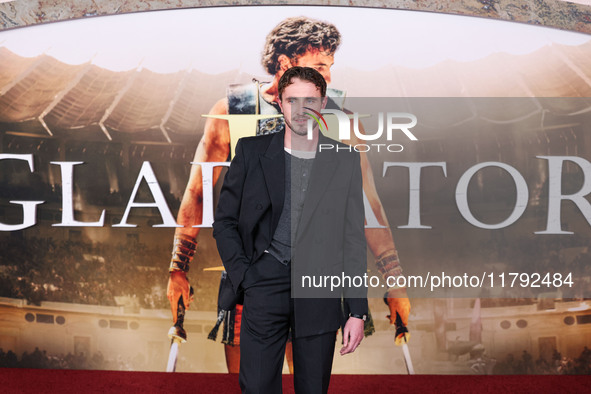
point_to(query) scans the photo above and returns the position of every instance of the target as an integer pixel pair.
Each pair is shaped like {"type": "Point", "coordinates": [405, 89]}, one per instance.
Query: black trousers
{"type": "Point", "coordinates": [267, 317]}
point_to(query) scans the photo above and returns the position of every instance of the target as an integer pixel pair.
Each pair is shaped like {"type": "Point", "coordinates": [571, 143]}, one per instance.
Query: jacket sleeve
{"type": "Point", "coordinates": [355, 247]}
{"type": "Point", "coordinates": [227, 214]}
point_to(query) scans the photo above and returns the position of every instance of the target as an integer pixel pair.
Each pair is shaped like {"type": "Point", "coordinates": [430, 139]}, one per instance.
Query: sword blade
{"type": "Point", "coordinates": [407, 360]}
{"type": "Point", "coordinates": [174, 350]}
{"type": "Point", "coordinates": [177, 334]}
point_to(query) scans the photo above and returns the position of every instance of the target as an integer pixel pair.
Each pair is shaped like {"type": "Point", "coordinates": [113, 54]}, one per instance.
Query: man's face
{"type": "Point", "coordinates": [317, 59]}
{"type": "Point", "coordinates": [296, 96]}
{"type": "Point", "coordinates": [314, 58]}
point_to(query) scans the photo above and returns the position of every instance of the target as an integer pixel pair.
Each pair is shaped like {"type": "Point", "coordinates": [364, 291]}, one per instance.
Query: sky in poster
{"type": "Point", "coordinates": [214, 40]}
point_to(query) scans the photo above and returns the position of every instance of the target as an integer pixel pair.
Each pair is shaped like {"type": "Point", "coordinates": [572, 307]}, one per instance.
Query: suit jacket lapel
{"type": "Point", "coordinates": [273, 165]}
{"type": "Point", "coordinates": [323, 169]}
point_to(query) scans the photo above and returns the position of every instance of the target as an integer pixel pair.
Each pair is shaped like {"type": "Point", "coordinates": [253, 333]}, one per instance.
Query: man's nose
{"type": "Point", "coordinates": [299, 107]}
{"type": "Point", "coordinates": [326, 75]}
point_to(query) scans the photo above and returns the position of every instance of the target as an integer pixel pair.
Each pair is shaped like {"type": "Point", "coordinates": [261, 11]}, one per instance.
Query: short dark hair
{"type": "Point", "coordinates": [305, 74]}
{"type": "Point", "coordinates": [294, 36]}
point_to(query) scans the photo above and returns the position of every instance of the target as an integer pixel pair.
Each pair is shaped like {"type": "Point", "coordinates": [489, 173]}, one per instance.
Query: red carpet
{"type": "Point", "coordinates": [63, 381]}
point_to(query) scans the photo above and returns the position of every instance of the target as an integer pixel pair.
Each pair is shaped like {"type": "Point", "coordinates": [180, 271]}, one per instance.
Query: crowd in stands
{"type": "Point", "coordinates": [40, 359]}
{"type": "Point", "coordinates": [500, 255]}
{"type": "Point", "coordinates": [553, 255]}
{"type": "Point", "coordinates": [511, 365]}
{"type": "Point", "coordinates": [557, 365]}
{"type": "Point", "coordinates": [39, 270]}
{"type": "Point", "coordinates": [44, 269]}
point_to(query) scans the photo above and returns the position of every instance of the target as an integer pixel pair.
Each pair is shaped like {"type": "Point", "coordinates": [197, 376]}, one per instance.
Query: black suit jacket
{"type": "Point", "coordinates": [330, 238]}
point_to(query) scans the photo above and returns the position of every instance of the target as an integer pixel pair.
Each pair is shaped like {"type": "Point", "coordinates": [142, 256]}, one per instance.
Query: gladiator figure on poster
{"type": "Point", "coordinates": [297, 41]}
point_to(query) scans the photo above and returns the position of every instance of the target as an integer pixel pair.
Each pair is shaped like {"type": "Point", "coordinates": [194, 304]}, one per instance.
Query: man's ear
{"type": "Point", "coordinates": [324, 101]}
{"type": "Point", "coordinates": [284, 63]}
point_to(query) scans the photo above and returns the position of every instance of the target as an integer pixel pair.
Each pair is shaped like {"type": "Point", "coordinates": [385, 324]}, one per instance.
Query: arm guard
{"type": "Point", "coordinates": [396, 298]}
{"type": "Point", "coordinates": [388, 264]}
{"type": "Point", "coordinates": [182, 253]}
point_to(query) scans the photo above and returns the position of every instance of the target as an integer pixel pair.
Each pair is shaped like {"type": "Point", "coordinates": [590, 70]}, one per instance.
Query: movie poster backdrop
{"type": "Point", "coordinates": [476, 133]}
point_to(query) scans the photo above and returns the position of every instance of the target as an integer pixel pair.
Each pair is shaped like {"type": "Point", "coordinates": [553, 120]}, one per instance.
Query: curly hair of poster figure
{"type": "Point", "coordinates": [294, 36]}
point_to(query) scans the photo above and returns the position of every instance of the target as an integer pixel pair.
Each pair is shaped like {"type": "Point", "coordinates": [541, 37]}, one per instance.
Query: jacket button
{"type": "Point", "coordinates": [259, 206]}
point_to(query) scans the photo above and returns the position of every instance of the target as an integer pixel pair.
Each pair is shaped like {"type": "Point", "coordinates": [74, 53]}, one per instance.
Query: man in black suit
{"type": "Point", "coordinates": [290, 210]}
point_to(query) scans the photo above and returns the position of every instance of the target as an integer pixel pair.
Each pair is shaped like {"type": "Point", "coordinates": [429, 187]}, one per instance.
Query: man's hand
{"type": "Point", "coordinates": [178, 285]}
{"type": "Point", "coordinates": [398, 301]}
{"type": "Point", "coordinates": [352, 335]}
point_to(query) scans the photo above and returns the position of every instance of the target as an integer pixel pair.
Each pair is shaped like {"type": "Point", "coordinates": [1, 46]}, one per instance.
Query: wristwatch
{"type": "Point", "coordinates": [362, 317]}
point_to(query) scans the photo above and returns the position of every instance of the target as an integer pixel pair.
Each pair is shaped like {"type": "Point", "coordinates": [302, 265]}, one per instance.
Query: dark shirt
{"type": "Point", "coordinates": [297, 177]}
